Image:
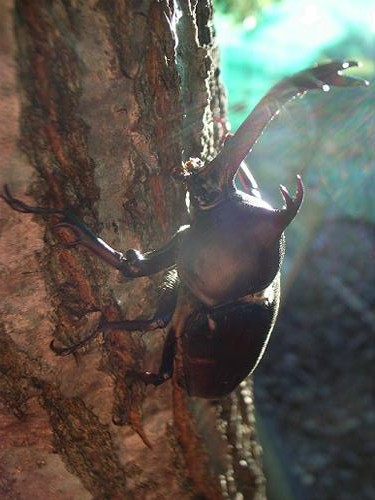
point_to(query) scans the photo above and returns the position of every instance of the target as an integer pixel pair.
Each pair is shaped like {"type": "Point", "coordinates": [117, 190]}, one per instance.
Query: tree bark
{"type": "Point", "coordinates": [100, 102]}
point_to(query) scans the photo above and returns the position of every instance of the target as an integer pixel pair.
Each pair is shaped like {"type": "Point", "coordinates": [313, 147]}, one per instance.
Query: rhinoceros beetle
{"type": "Point", "coordinates": [222, 299]}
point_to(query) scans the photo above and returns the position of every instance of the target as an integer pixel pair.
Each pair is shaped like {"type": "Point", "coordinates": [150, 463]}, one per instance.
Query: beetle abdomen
{"type": "Point", "coordinates": [222, 348]}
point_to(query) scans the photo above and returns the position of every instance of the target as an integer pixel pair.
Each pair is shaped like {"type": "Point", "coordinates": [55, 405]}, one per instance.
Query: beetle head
{"type": "Point", "coordinates": [205, 191]}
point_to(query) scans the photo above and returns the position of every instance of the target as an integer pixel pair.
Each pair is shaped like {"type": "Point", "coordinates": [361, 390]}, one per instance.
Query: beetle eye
{"type": "Point", "coordinates": [210, 197]}
{"type": "Point", "coordinates": [204, 196]}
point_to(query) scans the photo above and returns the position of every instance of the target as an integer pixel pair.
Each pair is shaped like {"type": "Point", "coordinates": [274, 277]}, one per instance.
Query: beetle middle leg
{"type": "Point", "coordinates": [161, 318]}
{"type": "Point", "coordinates": [143, 325]}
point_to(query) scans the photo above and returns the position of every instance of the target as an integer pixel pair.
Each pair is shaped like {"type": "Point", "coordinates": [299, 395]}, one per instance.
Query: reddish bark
{"type": "Point", "coordinates": [96, 115]}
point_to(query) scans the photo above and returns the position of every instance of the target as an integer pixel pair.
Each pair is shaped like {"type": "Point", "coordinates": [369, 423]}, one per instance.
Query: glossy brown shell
{"type": "Point", "coordinates": [221, 349]}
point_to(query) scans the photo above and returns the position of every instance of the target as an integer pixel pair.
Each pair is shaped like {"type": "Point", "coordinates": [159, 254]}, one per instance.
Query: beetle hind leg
{"type": "Point", "coordinates": [166, 367]}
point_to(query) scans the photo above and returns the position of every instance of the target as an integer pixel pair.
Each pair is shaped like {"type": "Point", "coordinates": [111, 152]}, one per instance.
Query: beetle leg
{"type": "Point", "coordinates": [86, 237]}
{"type": "Point", "coordinates": [162, 317]}
{"type": "Point", "coordinates": [68, 220]}
{"type": "Point", "coordinates": [133, 264]}
{"type": "Point", "coordinates": [166, 367]}
{"type": "Point", "coordinates": [65, 351]}
{"type": "Point", "coordinates": [20, 206]}
{"type": "Point", "coordinates": [144, 325]}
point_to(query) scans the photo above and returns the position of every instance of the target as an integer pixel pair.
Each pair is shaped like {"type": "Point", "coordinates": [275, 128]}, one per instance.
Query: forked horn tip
{"type": "Point", "coordinates": [350, 64]}
{"type": "Point", "coordinates": [300, 188]}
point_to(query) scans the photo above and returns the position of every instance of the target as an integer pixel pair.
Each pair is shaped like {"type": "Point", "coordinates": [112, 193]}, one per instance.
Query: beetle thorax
{"type": "Point", "coordinates": [232, 250]}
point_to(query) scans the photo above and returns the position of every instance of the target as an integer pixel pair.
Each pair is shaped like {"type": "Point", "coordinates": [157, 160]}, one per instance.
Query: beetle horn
{"type": "Point", "coordinates": [222, 169]}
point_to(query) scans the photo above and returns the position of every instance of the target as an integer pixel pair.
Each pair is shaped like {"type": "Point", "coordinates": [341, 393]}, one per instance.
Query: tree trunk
{"type": "Point", "coordinates": [100, 102]}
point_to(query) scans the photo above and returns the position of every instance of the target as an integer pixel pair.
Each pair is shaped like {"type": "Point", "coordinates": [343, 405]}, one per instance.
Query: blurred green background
{"type": "Point", "coordinates": [314, 388]}
{"type": "Point", "coordinates": [262, 41]}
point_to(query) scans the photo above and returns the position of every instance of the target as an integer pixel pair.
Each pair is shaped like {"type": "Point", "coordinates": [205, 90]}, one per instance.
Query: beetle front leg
{"type": "Point", "coordinates": [20, 206]}
{"type": "Point", "coordinates": [136, 264]}
{"type": "Point", "coordinates": [132, 264]}
{"type": "Point", "coordinates": [68, 220]}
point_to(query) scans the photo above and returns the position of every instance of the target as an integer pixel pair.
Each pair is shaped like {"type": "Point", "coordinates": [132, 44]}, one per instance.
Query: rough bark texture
{"type": "Point", "coordinates": [98, 106]}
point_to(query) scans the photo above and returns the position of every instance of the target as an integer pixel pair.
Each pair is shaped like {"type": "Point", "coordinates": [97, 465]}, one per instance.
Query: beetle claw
{"type": "Point", "coordinates": [62, 351]}
{"type": "Point", "coordinates": [20, 206]}
{"type": "Point", "coordinates": [71, 349]}
{"type": "Point", "coordinates": [17, 205]}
